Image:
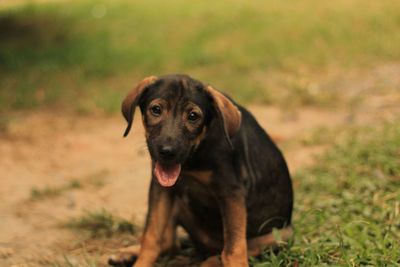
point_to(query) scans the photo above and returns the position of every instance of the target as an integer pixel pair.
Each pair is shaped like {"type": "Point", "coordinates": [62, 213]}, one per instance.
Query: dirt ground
{"type": "Point", "coordinates": [50, 149]}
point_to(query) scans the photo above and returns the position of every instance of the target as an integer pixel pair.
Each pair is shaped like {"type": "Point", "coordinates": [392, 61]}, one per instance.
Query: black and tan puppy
{"type": "Point", "coordinates": [215, 172]}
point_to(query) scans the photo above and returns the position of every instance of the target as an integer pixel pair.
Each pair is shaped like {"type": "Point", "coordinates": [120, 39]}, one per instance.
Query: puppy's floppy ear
{"type": "Point", "coordinates": [132, 99]}
{"type": "Point", "coordinates": [228, 113]}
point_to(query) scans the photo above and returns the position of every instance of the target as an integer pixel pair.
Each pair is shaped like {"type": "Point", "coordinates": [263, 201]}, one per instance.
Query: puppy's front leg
{"type": "Point", "coordinates": [159, 216]}
{"type": "Point", "coordinates": [234, 216]}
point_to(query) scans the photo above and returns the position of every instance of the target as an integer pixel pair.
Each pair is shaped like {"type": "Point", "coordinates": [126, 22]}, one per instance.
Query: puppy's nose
{"type": "Point", "coordinates": [167, 152]}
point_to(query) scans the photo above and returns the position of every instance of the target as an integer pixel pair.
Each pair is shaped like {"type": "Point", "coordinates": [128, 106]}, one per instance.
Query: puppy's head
{"type": "Point", "coordinates": [176, 112]}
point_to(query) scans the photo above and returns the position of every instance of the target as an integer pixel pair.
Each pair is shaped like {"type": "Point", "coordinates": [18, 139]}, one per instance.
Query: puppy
{"type": "Point", "coordinates": [215, 172]}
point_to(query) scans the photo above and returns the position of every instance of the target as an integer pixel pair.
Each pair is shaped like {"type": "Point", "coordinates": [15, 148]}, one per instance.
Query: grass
{"type": "Point", "coordinates": [100, 224]}
{"type": "Point", "coordinates": [93, 180]}
{"type": "Point", "coordinates": [324, 135]}
{"type": "Point", "coordinates": [347, 209]}
{"type": "Point", "coordinates": [85, 55]}
{"type": "Point", "coordinates": [50, 192]}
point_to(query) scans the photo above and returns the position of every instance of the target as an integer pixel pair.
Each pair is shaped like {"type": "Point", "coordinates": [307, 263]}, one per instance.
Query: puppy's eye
{"type": "Point", "coordinates": [156, 110]}
{"type": "Point", "coordinates": [193, 116]}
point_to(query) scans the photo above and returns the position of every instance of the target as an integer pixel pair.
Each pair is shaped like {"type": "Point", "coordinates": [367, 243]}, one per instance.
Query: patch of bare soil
{"type": "Point", "coordinates": [43, 149]}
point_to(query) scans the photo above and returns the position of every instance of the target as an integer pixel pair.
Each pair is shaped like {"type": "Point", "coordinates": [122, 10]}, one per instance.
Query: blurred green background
{"type": "Point", "coordinates": [85, 55]}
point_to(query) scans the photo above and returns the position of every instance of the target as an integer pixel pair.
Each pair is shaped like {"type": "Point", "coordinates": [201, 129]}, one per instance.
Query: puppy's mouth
{"type": "Point", "coordinates": [167, 175]}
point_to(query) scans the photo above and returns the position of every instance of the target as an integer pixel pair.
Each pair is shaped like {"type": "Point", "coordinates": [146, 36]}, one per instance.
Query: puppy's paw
{"type": "Point", "coordinates": [213, 261]}
{"type": "Point", "coordinates": [122, 260]}
{"type": "Point", "coordinates": [126, 257]}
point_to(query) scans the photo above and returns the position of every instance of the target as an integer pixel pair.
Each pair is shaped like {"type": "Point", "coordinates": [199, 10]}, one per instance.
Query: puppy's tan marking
{"type": "Point", "coordinates": [234, 217]}
{"type": "Point", "coordinates": [204, 177]}
{"type": "Point", "coordinates": [200, 137]}
{"type": "Point", "coordinates": [159, 217]}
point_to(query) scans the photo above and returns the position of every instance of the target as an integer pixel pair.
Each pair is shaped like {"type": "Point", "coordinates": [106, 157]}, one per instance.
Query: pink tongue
{"type": "Point", "coordinates": [167, 176]}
